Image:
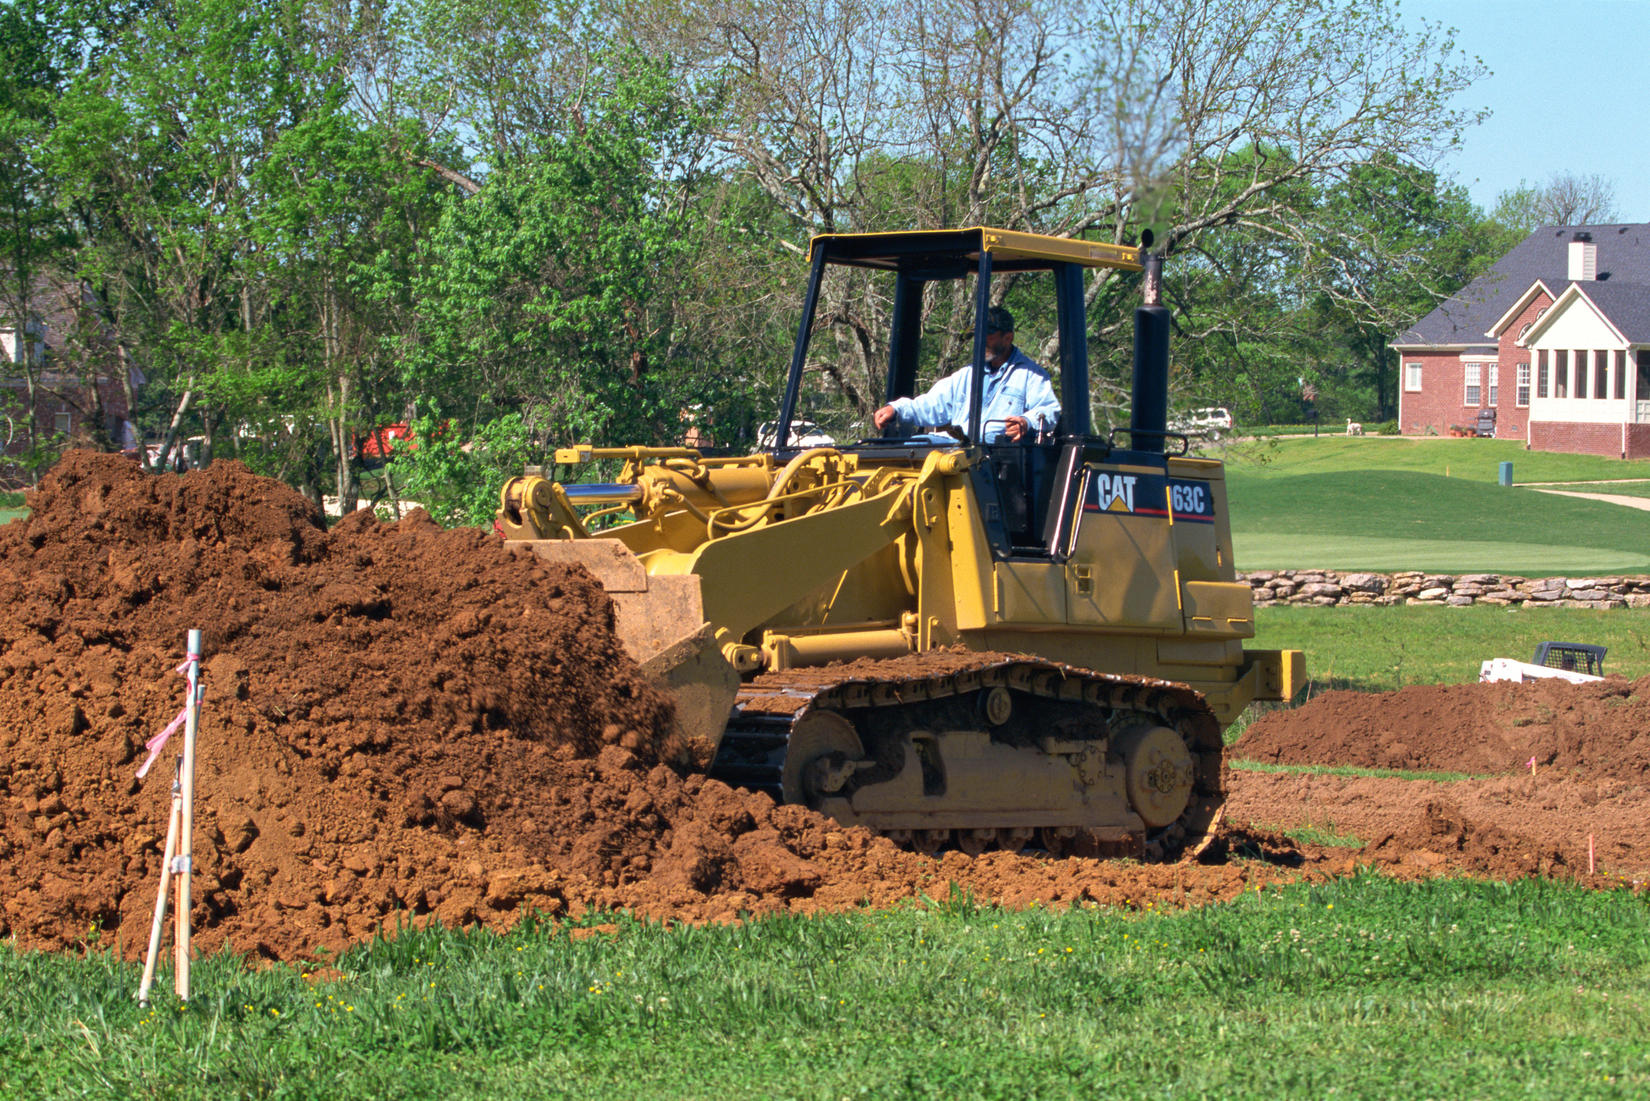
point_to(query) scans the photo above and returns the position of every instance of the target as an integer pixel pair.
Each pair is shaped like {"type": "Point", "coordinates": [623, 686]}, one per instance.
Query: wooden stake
{"type": "Point", "coordinates": [186, 845]}
{"type": "Point", "coordinates": [159, 923]}
{"type": "Point", "coordinates": [175, 863]}
{"type": "Point", "coordinates": [1589, 854]}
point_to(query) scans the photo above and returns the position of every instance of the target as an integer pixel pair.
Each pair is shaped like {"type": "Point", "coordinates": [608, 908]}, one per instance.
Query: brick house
{"type": "Point", "coordinates": [64, 403]}
{"type": "Point", "coordinates": [1554, 339]}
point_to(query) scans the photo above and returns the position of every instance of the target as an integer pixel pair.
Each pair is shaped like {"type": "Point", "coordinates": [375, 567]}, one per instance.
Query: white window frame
{"type": "Point", "coordinates": [1495, 384]}
{"type": "Point", "coordinates": [1474, 388]}
{"type": "Point", "coordinates": [1412, 378]}
{"type": "Point", "coordinates": [1521, 396]}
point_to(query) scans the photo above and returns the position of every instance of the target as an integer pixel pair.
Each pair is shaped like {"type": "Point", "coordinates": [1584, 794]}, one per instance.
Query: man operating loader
{"type": "Point", "coordinates": [1018, 400]}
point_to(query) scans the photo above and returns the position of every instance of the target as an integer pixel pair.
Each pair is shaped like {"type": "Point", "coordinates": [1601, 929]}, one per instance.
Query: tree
{"type": "Point", "coordinates": [1408, 241]}
{"type": "Point", "coordinates": [550, 289]}
{"type": "Point", "coordinates": [38, 39]}
{"type": "Point", "coordinates": [1261, 314]}
{"type": "Point", "coordinates": [1565, 199]}
{"type": "Point", "coordinates": [1076, 117]}
{"type": "Point", "coordinates": [245, 239]}
{"type": "Point", "coordinates": [155, 153]}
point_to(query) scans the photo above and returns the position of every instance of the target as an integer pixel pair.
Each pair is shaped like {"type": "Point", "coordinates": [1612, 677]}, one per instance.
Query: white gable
{"type": "Point", "coordinates": [1574, 322]}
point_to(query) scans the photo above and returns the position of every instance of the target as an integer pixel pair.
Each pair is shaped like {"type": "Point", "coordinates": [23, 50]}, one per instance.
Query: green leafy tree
{"type": "Point", "coordinates": [551, 290]}
{"type": "Point", "coordinates": [1267, 318]}
{"type": "Point", "coordinates": [38, 45]}
{"type": "Point", "coordinates": [156, 152]}
{"type": "Point", "coordinates": [456, 479]}
{"type": "Point", "coordinates": [1566, 199]}
{"type": "Point", "coordinates": [1406, 242]}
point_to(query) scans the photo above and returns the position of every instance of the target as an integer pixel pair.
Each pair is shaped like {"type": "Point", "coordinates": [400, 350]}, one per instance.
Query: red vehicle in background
{"type": "Point", "coordinates": [374, 449]}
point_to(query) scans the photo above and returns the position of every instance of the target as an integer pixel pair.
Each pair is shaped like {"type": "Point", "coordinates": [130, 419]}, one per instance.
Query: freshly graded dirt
{"type": "Point", "coordinates": [1589, 745]}
{"type": "Point", "coordinates": [1595, 730]}
{"type": "Point", "coordinates": [403, 723]}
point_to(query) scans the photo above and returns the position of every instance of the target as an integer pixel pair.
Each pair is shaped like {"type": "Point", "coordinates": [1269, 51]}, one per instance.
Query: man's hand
{"type": "Point", "coordinates": [882, 416]}
{"type": "Point", "coordinates": [1016, 427]}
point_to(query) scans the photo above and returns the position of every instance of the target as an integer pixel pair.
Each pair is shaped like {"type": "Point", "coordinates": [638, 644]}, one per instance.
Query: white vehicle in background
{"type": "Point", "coordinates": [1576, 662]}
{"type": "Point", "coordinates": [803, 434]}
{"type": "Point", "coordinates": [1213, 422]}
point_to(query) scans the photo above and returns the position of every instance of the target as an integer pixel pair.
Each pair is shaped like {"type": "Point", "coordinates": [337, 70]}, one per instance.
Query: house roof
{"type": "Point", "coordinates": [1623, 267]}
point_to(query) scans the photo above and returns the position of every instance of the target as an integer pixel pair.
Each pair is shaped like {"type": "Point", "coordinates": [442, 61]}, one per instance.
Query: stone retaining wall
{"type": "Point", "coordinates": [1327, 587]}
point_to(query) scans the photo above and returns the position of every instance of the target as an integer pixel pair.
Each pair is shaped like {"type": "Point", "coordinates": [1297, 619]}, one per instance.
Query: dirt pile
{"type": "Point", "coordinates": [1599, 730]}
{"type": "Point", "coordinates": [1590, 744]}
{"type": "Point", "coordinates": [384, 703]}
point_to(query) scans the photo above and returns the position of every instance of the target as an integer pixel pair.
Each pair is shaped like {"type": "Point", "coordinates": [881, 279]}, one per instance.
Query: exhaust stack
{"type": "Point", "coordinates": [1149, 411]}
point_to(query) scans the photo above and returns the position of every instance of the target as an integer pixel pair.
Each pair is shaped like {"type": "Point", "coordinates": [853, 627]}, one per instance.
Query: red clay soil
{"type": "Point", "coordinates": [1595, 730]}
{"type": "Point", "coordinates": [405, 723]}
{"type": "Point", "coordinates": [1590, 744]}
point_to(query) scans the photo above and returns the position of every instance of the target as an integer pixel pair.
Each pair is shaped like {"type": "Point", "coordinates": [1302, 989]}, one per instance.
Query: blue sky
{"type": "Point", "coordinates": [1570, 92]}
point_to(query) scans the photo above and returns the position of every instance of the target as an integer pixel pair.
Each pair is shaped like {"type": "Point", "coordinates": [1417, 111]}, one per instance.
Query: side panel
{"type": "Point", "coordinates": [1121, 574]}
{"type": "Point", "coordinates": [1203, 528]}
{"type": "Point", "coordinates": [1030, 593]}
{"type": "Point", "coordinates": [1219, 608]}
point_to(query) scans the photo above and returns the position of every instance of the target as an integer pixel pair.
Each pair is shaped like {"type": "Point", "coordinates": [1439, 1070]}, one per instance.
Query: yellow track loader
{"type": "Point", "coordinates": [948, 640]}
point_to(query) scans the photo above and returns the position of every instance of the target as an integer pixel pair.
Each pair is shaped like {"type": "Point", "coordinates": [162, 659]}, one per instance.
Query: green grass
{"type": "Point", "coordinates": [1471, 460]}
{"type": "Point", "coordinates": [1348, 770]}
{"type": "Point", "coordinates": [11, 506]}
{"type": "Point", "coordinates": [1313, 835]}
{"type": "Point", "coordinates": [1326, 428]}
{"type": "Point", "coordinates": [1359, 504]}
{"type": "Point", "coordinates": [1395, 520]}
{"type": "Point", "coordinates": [1361, 987]}
{"type": "Point", "coordinates": [1381, 649]}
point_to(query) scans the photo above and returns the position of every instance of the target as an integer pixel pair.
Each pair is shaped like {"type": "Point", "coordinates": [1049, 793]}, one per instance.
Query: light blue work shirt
{"type": "Point", "coordinates": [1018, 388]}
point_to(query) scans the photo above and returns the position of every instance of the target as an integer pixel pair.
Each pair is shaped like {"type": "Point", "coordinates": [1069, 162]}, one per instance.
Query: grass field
{"type": "Point", "coordinates": [1472, 460]}
{"type": "Point", "coordinates": [1380, 649]}
{"type": "Point", "coordinates": [1394, 504]}
{"type": "Point", "coordinates": [1361, 988]}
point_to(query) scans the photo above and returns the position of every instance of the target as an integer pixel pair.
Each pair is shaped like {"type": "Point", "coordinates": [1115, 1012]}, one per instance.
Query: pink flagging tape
{"type": "Point", "coordinates": [158, 742]}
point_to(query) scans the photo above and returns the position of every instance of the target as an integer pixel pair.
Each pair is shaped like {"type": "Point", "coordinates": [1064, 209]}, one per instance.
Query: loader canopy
{"type": "Point", "coordinates": [916, 259]}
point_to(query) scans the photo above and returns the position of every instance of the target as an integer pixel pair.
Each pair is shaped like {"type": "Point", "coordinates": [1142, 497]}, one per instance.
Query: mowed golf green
{"type": "Point", "coordinates": [1380, 504]}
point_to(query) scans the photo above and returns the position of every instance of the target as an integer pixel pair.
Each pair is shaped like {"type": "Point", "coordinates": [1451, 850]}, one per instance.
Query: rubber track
{"type": "Point", "coordinates": [753, 746]}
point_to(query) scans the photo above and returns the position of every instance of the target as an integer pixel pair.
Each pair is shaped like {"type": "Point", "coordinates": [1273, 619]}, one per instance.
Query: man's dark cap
{"type": "Point", "coordinates": [999, 320]}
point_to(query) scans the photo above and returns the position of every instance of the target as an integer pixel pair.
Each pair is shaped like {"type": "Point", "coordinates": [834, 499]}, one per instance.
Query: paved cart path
{"type": "Point", "coordinates": [1641, 503]}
